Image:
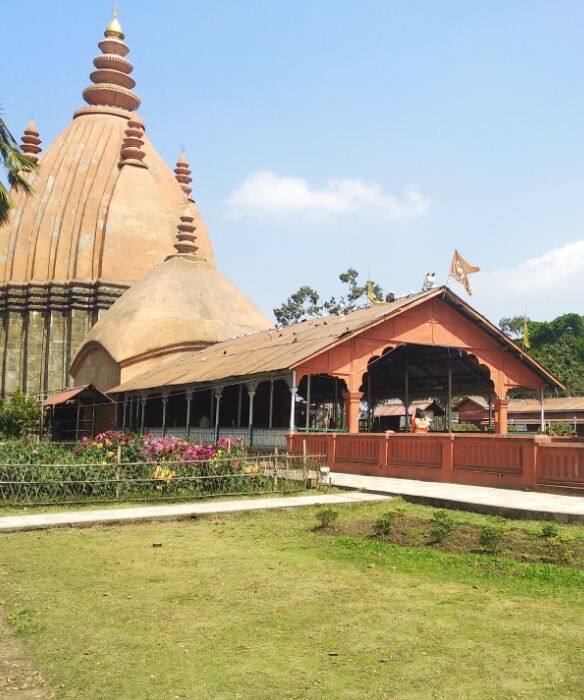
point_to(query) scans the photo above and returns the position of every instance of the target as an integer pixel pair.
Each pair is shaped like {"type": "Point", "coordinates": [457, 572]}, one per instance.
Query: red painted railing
{"type": "Point", "coordinates": [484, 460]}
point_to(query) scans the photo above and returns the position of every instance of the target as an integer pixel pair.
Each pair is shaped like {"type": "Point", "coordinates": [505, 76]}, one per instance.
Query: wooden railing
{"type": "Point", "coordinates": [484, 460]}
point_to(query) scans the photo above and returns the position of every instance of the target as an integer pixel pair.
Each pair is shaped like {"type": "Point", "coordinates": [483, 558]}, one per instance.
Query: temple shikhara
{"type": "Point", "coordinates": [112, 303]}
{"type": "Point", "coordinates": [104, 213]}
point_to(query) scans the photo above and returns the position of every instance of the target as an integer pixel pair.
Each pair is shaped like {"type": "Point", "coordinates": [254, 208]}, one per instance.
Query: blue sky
{"type": "Point", "coordinates": [322, 135]}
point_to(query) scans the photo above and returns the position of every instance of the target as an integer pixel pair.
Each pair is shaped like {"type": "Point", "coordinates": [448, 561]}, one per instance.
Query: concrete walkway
{"type": "Point", "coordinates": [519, 504]}
{"type": "Point", "coordinates": [175, 511]}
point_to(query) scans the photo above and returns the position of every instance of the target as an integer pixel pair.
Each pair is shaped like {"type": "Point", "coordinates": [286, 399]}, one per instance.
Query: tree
{"type": "Point", "coordinates": [20, 414]}
{"type": "Point", "coordinates": [558, 345]}
{"type": "Point", "coordinates": [306, 303]}
{"type": "Point", "coordinates": [16, 165]}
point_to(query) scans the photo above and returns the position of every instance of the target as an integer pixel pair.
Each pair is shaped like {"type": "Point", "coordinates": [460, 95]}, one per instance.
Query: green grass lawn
{"type": "Point", "coordinates": [260, 605]}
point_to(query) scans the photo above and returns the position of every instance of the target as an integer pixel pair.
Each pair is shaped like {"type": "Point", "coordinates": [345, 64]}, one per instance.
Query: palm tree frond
{"type": "Point", "coordinates": [5, 204]}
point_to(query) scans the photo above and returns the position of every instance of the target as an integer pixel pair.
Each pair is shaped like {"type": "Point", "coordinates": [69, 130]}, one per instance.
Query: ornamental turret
{"type": "Point", "coordinates": [112, 84]}
{"type": "Point", "coordinates": [31, 143]}
{"type": "Point", "coordinates": [131, 152]}
{"type": "Point", "coordinates": [183, 175]}
{"type": "Point", "coordinates": [185, 240]}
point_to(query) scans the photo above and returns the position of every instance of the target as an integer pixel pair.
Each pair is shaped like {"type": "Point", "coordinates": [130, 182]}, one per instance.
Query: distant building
{"type": "Point", "coordinates": [524, 415]}
{"type": "Point", "coordinates": [392, 415]}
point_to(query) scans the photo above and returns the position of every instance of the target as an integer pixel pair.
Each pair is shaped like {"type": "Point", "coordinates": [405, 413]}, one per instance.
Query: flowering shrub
{"type": "Point", "coordinates": [117, 466]}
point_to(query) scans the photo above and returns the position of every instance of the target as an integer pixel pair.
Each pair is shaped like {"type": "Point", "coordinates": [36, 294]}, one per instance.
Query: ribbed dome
{"type": "Point", "coordinates": [94, 215]}
{"type": "Point", "coordinates": [182, 304]}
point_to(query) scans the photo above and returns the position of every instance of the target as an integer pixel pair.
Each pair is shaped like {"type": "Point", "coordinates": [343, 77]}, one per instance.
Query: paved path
{"type": "Point", "coordinates": [175, 511]}
{"type": "Point", "coordinates": [522, 504]}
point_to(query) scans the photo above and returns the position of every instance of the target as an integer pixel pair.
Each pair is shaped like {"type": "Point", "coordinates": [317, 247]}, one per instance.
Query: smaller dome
{"type": "Point", "coordinates": [183, 304]}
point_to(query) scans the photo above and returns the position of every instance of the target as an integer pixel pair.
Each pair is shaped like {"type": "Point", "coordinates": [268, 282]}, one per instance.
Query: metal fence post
{"type": "Point", "coordinates": [276, 469]}
{"type": "Point", "coordinates": [118, 472]}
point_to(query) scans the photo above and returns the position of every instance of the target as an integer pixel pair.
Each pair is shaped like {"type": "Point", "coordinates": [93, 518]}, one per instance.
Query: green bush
{"type": "Point", "coordinates": [558, 549]}
{"type": "Point", "coordinates": [549, 530]}
{"type": "Point", "coordinates": [560, 430]}
{"type": "Point", "coordinates": [443, 525]}
{"type": "Point", "coordinates": [20, 414]}
{"type": "Point", "coordinates": [384, 524]}
{"type": "Point", "coordinates": [465, 428]}
{"type": "Point", "coordinates": [491, 535]}
{"type": "Point", "coordinates": [327, 516]}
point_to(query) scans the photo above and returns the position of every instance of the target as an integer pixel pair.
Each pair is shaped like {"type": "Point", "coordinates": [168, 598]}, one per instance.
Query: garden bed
{"type": "Point", "coordinates": [544, 542]}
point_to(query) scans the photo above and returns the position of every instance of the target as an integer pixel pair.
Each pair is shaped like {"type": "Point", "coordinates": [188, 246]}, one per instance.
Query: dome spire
{"type": "Point", "coordinates": [31, 143]}
{"type": "Point", "coordinates": [186, 239]}
{"type": "Point", "coordinates": [112, 84]}
{"type": "Point", "coordinates": [183, 175]}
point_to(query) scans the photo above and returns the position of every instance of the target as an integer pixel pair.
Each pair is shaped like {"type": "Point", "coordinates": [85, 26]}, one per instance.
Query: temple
{"type": "Point", "coordinates": [103, 214]}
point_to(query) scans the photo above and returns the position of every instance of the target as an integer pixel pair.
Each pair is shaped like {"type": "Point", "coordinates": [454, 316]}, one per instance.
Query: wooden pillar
{"type": "Point", "coordinates": [271, 410]}
{"type": "Point", "coordinates": [189, 398]}
{"type": "Point", "coordinates": [143, 413]}
{"type": "Point", "coordinates": [308, 398]}
{"type": "Point", "coordinates": [239, 405]}
{"type": "Point", "coordinates": [490, 413]}
{"type": "Point", "coordinates": [293, 391]}
{"type": "Point", "coordinates": [218, 393]}
{"type": "Point", "coordinates": [251, 390]}
{"type": "Point", "coordinates": [542, 417]}
{"type": "Point", "coordinates": [501, 406]}
{"type": "Point", "coordinates": [77, 423]}
{"type": "Point", "coordinates": [407, 400]}
{"type": "Point", "coordinates": [369, 404]}
{"type": "Point", "coordinates": [164, 402]}
{"type": "Point", "coordinates": [449, 400]}
{"type": "Point", "coordinates": [352, 407]}
{"type": "Point", "coordinates": [124, 403]}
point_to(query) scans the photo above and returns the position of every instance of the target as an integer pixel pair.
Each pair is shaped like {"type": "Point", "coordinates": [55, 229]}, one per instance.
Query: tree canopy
{"type": "Point", "coordinates": [306, 302]}
{"type": "Point", "coordinates": [558, 345]}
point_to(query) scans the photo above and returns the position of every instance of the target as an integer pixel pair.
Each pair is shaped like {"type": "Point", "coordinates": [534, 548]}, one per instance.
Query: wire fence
{"type": "Point", "coordinates": [62, 484]}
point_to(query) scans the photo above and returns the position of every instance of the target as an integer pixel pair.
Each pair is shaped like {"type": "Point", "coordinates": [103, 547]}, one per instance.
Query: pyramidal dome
{"type": "Point", "coordinates": [103, 214]}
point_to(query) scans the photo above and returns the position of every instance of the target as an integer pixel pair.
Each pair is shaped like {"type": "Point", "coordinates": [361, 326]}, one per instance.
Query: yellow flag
{"type": "Point", "coordinates": [460, 269]}
{"type": "Point", "coordinates": [526, 343]}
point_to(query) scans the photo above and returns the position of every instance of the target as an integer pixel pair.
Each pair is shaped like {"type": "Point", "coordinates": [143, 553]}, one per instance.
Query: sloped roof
{"type": "Point", "coordinates": [64, 396]}
{"type": "Point", "coordinates": [551, 405]}
{"type": "Point", "coordinates": [266, 351]}
{"type": "Point", "coordinates": [276, 350]}
{"type": "Point", "coordinates": [388, 410]}
{"type": "Point", "coordinates": [479, 400]}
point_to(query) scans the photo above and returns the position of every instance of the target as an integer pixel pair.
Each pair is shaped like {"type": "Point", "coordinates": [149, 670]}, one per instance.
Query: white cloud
{"type": "Point", "coordinates": [265, 194]}
{"type": "Point", "coordinates": [548, 285]}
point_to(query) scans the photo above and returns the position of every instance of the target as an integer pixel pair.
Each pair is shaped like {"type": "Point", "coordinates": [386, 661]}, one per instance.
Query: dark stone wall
{"type": "Point", "coordinates": [41, 328]}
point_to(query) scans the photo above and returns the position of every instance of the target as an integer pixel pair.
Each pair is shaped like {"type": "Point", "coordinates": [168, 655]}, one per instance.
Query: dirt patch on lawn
{"type": "Point", "coordinates": [408, 531]}
{"type": "Point", "coordinates": [19, 676]}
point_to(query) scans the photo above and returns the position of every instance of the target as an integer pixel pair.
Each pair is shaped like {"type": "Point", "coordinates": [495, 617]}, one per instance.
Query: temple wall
{"type": "Point", "coordinates": [41, 328]}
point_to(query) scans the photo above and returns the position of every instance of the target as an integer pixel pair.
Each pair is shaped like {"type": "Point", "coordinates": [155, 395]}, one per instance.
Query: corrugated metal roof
{"type": "Point", "coordinates": [278, 350]}
{"type": "Point", "coordinates": [64, 396]}
{"type": "Point", "coordinates": [551, 405]}
{"type": "Point", "coordinates": [389, 410]}
{"type": "Point", "coordinates": [267, 351]}
{"type": "Point", "coordinates": [479, 400]}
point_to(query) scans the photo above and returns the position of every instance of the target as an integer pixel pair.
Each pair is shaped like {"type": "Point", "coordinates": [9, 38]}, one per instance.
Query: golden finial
{"type": "Point", "coordinates": [114, 28]}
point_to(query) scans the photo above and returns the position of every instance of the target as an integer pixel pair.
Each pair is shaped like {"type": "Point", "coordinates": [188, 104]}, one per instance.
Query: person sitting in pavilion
{"type": "Point", "coordinates": [420, 423]}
